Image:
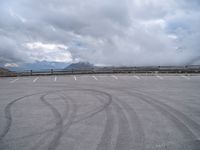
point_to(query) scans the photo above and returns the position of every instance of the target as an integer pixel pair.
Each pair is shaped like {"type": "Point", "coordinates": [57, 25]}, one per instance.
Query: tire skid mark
{"type": "Point", "coordinates": [136, 127]}
{"type": "Point", "coordinates": [56, 138]}
{"type": "Point", "coordinates": [166, 113]}
{"type": "Point", "coordinates": [79, 118]}
{"type": "Point", "coordinates": [67, 108]}
{"type": "Point", "coordinates": [124, 137]}
{"type": "Point", "coordinates": [171, 113]}
{"type": "Point", "coordinates": [97, 110]}
{"type": "Point", "coordinates": [178, 123]}
{"type": "Point", "coordinates": [40, 142]}
{"type": "Point", "coordinates": [106, 138]}
{"type": "Point", "coordinates": [66, 126]}
{"type": "Point", "coordinates": [188, 121]}
{"type": "Point", "coordinates": [71, 115]}
{"type": "Point", "coordinates": [65, 116]}
{"type": "Point", "coordinates": [8, 114]}
{"type": "Point", "coordinates": [59, 124]}
{"type": "Point", "coordinates": [168, 109]}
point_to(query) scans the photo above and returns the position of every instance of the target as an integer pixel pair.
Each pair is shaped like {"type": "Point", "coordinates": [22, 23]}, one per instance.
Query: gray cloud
{"type": "Point", "coordinates": [132, 32]}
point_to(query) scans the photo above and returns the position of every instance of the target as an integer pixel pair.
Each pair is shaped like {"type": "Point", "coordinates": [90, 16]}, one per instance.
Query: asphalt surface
{"type": "Point", "coordinates": [100, 112]}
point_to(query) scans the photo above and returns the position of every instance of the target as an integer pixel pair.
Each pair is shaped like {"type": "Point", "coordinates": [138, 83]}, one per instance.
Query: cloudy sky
{"type": "Point", "coordinates": [103, 32]}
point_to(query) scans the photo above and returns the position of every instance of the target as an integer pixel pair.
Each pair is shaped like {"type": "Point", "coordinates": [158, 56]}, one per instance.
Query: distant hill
{"type": "Point", "coordinates": [5, 72]}
{"type": "Point", "coordinates": [43, 65]}
{"type": "Point", "coordinates": [80, 66]}
{"type": "Point", "coordinates": [39, 65]}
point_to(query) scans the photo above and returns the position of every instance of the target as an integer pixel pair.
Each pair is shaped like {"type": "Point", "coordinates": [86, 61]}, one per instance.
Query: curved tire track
{"type": "Point", "coordinates": [138, 137]}
{"type": "Point", "coordinates": [79, 118]}
{"type": "Point", "coordinates": [98, 109]}
{"type": "Point", "coordinates": [130, 132]}
{"type": "Point", "coordinates": [59, 124]}
{"type": "Point", "coordinates": [8, 114]}
{"type": "Point", "coordinates": [106, 138]}
{"type": "Point", "coordinates": [67, 108]}
{"type": "Point", "coordinates": [72, 115]}
{"type": "Point", "coordinates": [166, 112]}
{"type": "Point", "coordinates": [65, 116]}
{"type": "Point", "coordinates": [124, 138]}
{"type": "Point", "coordinates": [187, 126]}
{"type": "Point", "coordinates": [195, 127]}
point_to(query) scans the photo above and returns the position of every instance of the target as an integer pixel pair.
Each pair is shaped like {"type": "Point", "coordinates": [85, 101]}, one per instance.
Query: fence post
{"type": "Point", "coordinates": [51, 71]}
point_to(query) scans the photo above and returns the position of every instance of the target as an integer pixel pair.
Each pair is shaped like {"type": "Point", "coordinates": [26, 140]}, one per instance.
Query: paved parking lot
{"type": "Point", "coordinates": [100, 112]}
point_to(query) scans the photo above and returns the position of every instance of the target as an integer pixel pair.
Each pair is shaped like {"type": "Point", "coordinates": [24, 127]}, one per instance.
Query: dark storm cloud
{"type": "Point", "coordinates": [132, 32]}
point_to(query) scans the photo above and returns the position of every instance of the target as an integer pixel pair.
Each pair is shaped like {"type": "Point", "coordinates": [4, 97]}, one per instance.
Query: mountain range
{"type": "Point", "coordinates": [39, 65]}
{"type": "Point", "coordinates": [79, 66]}
{"type": "Point", "coordinates": [45, 65]}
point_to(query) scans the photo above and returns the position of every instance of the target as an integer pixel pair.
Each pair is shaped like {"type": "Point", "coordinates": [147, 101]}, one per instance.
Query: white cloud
{"type": "Point", "coordinates": [110, 32]}
{"type": "Point", "coordinates": [11, 65]}
{"type": "Point", "coordinates": [173, 36]}
{"type": "Point", "coordinates": [48, 52]}
{"type": "Point", "coordinates": [39, 45]}
{"type": "Point", "coordinates": [155, 24]}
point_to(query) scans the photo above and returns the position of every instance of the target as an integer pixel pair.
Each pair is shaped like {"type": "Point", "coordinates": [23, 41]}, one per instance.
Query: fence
{"type": "Point", "coordinates": [111, 70]}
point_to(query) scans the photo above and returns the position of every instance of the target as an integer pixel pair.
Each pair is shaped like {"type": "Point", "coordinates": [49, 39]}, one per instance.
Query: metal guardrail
{"type": "Point", "coordinates": [8, 74]}
{"type": "Point", "coordinates": [111, 70]}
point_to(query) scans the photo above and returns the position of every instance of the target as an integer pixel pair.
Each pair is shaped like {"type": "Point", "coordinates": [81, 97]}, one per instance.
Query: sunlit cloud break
{"type": "Point", "coordinates": [48, 52]}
